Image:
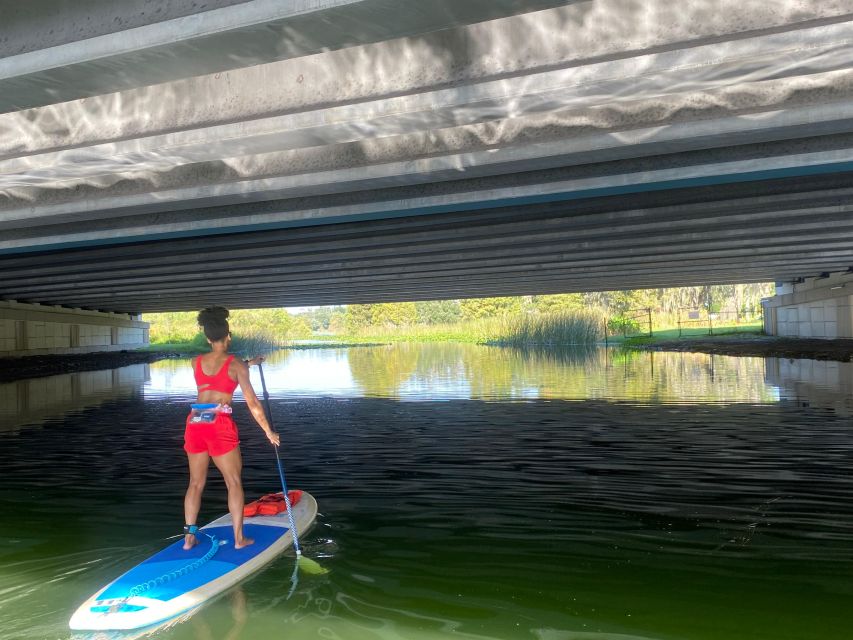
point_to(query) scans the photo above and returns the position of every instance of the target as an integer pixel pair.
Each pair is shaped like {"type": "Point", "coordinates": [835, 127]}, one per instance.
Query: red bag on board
{"type": "Point", "coordinates": [271, 504]}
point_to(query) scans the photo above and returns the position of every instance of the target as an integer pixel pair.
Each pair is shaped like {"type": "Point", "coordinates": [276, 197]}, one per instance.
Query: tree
{"type": "Point", "coordinates": [320, 318]}
{"type": "Point", "coordinates": [394, 314]}
{"type": "Point", "coordinates": [438, 311]}
{"type": "Point", "coordinates": [276, 323]}
{"type": "Point", "coordinates": [558, 302]}
{"type": "Point", "coordinates": [359, 316]}
{"type": "Point", "coordinates": [475, 308]}
{"type": "Point", "coordinates": [338, 322]}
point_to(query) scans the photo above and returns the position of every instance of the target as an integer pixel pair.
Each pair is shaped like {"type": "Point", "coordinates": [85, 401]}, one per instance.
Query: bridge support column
{"type": "Point", "coordinates": [35, 329]}
{"type": "Point", "coordinates": [817, 307]}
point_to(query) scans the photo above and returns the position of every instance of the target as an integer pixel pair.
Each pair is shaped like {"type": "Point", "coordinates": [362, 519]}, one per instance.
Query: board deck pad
{"type": "Point", "coordinates": [174, 580]}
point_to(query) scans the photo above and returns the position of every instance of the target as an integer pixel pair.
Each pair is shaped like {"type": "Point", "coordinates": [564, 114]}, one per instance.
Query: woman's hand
{"type": "Point", "coordinates": [273, 437]}
{"type": "Point", "coordinates": [255, 360]}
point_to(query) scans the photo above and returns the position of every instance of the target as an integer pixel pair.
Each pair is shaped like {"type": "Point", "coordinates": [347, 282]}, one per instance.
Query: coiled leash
{"type": "Point", "coordinates": [177, 573]}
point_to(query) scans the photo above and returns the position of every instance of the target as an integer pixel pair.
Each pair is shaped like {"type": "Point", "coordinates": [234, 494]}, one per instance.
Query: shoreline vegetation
{"type": "Point", "coordinates": [527, 321]}
{"type": "Point", "coordinates": [723, 320]}
{"type": "Point", "coordinates": [745, 344]}
{"type": "Point", "coordinates": [679, 320]}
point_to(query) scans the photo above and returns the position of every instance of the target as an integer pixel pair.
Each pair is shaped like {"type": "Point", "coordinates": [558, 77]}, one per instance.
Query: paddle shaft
{"type": "Point", "coordinates": [280, 465]}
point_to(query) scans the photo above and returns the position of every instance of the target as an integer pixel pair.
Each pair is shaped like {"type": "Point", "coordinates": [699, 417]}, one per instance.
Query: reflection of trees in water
{"type": "Point", "coordinates": [579, 354]}
{"type": "Point", "coordinates": [537, 372]}
{"type": "Point", "coordinates": [586, 372]}
{"type": "Point", "coordinates": [278, 357]}
{"type": "Point", "coordinates": [381, 371]}
{"type": "Point", "coordinates": [688, 376]}
{"type": "Point", "coordinates": [502, 371]}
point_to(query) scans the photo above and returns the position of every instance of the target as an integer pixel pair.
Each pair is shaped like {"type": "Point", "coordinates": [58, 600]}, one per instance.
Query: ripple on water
{"type": "Point", "coordinates": [647, 513]}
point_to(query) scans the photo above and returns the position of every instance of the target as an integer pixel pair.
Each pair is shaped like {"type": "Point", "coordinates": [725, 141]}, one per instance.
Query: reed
{"type": "Point", "coordinates": [255, 343]}
{"type": "Point", "coordinates": [517, 330]}
{"type": "Point", "coordinates": [549, 330]}
{"type": "Point", "coordinates": [556, 329]}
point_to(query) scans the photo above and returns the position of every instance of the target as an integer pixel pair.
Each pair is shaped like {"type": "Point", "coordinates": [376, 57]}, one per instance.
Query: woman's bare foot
{"type": "Point", "coordinates": [190, 541]}
{"type": "Point", "coordinates": [244, 542]}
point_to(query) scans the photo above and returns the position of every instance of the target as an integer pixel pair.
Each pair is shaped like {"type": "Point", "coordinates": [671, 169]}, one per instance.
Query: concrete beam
{"type": "Point", "coordinates": [254, 145]}
{"type": "Point", "coordinates": [55, 51]}
{"type": "Point", "coordinates": [572, 237]}
{"type": "Point", "coordinates": [480, 195]}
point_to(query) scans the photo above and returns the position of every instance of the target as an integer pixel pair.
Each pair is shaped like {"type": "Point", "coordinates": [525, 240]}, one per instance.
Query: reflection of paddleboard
{"type": "Point", "coordinates": [174, 581]}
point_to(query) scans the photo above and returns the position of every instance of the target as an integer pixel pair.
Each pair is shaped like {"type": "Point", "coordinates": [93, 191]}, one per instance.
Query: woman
{"type": "Point", "coordinates": [211, 432]}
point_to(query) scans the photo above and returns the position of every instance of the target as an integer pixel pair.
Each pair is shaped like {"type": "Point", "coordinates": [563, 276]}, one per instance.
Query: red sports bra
{"type": "Point", "coordinates": [220, 381]}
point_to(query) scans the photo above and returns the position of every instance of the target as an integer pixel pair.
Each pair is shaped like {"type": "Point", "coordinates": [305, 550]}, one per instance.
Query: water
{"type": "Point", "coordinates": [464, 491]}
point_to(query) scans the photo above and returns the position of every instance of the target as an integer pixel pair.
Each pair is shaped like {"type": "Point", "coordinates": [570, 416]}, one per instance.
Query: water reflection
{"type": "Point", "coordinates": [450, 371]}
{"type": "Point", "coordinates": [612, 495]}
{"type": "Point", "coordinates": [31, 402]}
{"type": "Point", "coordinates": [463, 371]}
{"type": "Point", "coordinates": [467, 371]}
{"type": "Point", "coordinates": [383, 371]}
{"type": "Point", "coordinates": [814, 383]}
{"type": "Point", "coordinates": [459, 371]}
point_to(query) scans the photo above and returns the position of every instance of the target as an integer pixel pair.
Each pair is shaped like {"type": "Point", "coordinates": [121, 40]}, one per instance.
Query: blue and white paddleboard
{"type": "Point", "coordinates": [174, 581]}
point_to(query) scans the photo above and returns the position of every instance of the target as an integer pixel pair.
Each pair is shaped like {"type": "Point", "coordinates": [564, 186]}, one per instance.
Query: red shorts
{"type": "Point", "coordinates": [216, 438]}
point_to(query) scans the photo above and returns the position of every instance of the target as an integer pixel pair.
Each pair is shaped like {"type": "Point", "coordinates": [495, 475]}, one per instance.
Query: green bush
{"type": "Point", "coordinates": [266, 326]}
{"type": "Point", "coordinates": [623, 326]}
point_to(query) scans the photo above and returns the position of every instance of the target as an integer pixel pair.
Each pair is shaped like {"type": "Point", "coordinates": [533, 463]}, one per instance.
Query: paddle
{"type": "Point", "coordinates": [306, 564]}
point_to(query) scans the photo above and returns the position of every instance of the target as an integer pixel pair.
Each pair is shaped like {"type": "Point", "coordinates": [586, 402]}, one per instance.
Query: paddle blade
{"type": "Point", "coordinates": [310, 566]}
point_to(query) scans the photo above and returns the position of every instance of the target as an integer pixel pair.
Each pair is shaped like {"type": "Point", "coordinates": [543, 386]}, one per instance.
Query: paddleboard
{"type": "Point", "coordinates": [175, 581]}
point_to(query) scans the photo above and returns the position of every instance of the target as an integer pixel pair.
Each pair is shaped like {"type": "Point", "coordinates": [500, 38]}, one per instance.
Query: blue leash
{"type": "Point", "coordinates": [177, 573]}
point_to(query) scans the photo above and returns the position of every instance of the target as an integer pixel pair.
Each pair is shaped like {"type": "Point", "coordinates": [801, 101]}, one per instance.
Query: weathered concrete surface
{"type": "Point", "coordinates": [33, 329]}
{"type": "Point", "coordinates": [498, 149]}
{"type": "Point", "coordinates": [814, 307]}
{"type": "Point", "coordinates": [53, 51]}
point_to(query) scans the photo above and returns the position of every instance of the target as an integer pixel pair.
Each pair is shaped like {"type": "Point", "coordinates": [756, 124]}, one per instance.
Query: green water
{"type": "Point", "coordinates": [464, 491]}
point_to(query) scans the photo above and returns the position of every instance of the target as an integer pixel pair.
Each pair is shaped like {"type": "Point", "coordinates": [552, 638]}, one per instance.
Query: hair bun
{"type": "Point", "coordinates": [214, 322]}
{"type": "Point", "coordinates": [213, 315]}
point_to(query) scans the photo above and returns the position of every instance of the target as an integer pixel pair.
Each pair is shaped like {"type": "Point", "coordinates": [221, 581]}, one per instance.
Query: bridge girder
{"type": "Point", "coordinates": [496, 149]}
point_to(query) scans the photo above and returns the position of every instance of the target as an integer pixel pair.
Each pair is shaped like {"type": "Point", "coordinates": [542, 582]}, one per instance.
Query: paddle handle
{"type": "Point", "coordinates": [290, 519]}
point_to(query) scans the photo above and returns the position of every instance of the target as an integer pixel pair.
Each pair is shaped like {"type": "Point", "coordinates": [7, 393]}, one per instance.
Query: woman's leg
{"type": "Point", "coordinates": [231, 466]}
{"type": "Point", "coordinates": [199, 462]}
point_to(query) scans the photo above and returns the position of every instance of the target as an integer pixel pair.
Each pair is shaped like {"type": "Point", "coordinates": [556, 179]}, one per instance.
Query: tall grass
{"type": "Point", "coordinates": [518, 330]}
{"type": "Point", "coordinates": [255, 343]}
{"type": "Point", "coordinates": [552, 329]}
{"type": "Point", "coordinates": [563, 328]}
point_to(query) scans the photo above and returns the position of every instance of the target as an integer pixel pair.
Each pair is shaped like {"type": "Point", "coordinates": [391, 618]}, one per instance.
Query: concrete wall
{"type": "Point", "coordinates": [34, 329]}
{"type": "Point", "coordinates": [818, 307]}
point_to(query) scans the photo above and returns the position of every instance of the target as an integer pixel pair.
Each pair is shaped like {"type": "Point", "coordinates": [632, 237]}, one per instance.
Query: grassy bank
{"type": "Point", "coordinates": [671, 335]}
{"type": "Point", "coordinates": [248, 345]}
{"type": "Point", "coordinates": [517, 330]}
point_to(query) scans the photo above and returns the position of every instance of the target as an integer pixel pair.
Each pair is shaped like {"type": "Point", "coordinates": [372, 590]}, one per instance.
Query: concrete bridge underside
{"type": "Point", "coordinates": [269, 153]}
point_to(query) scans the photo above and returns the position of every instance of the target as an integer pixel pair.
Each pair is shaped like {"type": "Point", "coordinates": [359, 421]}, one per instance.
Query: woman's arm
{"type": "Point", "coordinates": [255, 406]}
